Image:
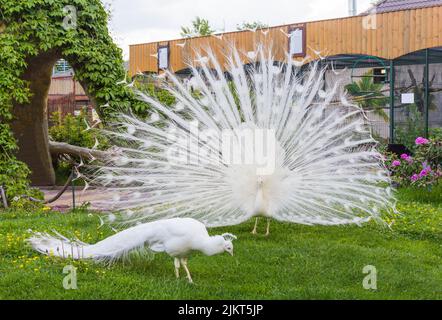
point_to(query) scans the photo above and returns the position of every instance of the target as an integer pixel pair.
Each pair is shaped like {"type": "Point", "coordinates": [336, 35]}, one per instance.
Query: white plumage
{"type": "Point", "coordinates": [325, 168]}
{"type": "Point", "coordinates": [177, 237]}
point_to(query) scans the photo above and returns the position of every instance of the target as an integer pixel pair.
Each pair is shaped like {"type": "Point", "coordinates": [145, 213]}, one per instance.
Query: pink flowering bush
{"type": "Point", "coordinates": [423, 169]}
{"type": "Point", "coordinates": [396, 163]}
{"type": "Point", "coordinates": [420, 141]}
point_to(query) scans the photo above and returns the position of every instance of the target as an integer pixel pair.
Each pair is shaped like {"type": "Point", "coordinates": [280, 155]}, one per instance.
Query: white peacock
{"type": "Point", "coordinates": [325, 168]}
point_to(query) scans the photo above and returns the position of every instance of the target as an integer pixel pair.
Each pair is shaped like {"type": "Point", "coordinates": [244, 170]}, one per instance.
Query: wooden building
{"type": "Point", "coordinates": [400, 41]}
{"type": "Point", "coordinates": [67, 96]}
{"type": "Point", "coordinates": [389, 30]}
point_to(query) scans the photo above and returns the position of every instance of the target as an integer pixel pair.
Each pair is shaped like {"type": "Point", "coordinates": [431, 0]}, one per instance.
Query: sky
{"type": "Point", "coordinates": [140, 21]}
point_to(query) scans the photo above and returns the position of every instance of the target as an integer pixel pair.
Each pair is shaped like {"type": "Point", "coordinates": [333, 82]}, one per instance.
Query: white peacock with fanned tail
{"type": "Point", "coordinates": [267, 140]}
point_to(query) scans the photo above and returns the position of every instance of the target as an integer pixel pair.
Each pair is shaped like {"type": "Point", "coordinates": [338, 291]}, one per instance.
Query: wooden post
{"type": "Point", "coordinates": [392, 75]}
{"type": "Point", "coordinates": [427, 91]}
{"type": "Point", "coordinates": [73, 188]}
{"type": "Point", "coordinates": [60, 114]}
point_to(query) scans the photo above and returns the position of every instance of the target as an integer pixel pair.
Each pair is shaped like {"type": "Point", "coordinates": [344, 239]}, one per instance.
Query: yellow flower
{"type": "Point", "coordinates": [46, 208]}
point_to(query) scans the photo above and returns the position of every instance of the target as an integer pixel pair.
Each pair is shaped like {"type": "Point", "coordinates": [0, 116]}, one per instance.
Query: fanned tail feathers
{"type": "Point", "coordinates": [325, 165]}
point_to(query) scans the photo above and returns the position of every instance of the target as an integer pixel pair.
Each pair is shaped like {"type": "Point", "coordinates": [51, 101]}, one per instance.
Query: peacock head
{"type": "Point", "coordinates": [228, 245]}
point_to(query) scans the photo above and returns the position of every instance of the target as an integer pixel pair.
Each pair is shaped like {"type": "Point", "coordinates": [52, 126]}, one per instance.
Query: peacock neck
{"type": "Point", "coordinates": [211, 245]}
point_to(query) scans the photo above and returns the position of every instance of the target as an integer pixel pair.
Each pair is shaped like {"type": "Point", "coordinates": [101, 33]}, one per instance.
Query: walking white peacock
{"type": "Point", "coordinates": [177, 237]}
{"type": "Point", "coordinates": [302, 158]}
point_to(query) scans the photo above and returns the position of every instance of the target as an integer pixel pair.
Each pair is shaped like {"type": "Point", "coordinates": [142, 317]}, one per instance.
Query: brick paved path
{"type": "Point", "coordinates": [64, 203]}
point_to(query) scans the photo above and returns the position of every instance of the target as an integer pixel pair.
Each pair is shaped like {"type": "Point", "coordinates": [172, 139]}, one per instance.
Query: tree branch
{"type": "Point", "coordinates": [57, 148]}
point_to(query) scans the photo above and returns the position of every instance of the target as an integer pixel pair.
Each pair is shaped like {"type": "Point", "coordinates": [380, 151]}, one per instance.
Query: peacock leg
{"type": "Point", "coordinates": [256, 225]}
{"type": "Point", "coordinates": [268, 227]}
{"type": "Point", "coordinates": [177, 267]}
{"type": "Point", "coordinates": [184, 263]}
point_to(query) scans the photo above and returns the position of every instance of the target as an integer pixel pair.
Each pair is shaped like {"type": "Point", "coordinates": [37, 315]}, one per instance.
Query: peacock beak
{"type": "Point", "coordinates": [231, 253]}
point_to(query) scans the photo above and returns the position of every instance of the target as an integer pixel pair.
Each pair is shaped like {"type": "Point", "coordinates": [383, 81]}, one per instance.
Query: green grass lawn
{"type": "Point", "coordinates": [294, 262]}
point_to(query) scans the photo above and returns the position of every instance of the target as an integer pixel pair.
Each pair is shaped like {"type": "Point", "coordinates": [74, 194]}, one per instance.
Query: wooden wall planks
{"type": "Point", "coordinates": [395, 34]}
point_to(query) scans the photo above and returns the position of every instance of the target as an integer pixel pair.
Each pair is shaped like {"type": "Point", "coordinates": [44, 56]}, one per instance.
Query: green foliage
{"type": "Point", "coordinates": [32, 27]}
{"type": "Point", "coordinates": [199, 27]}
{"type": "Point", "coordinates": [431, 152]}
{"type": "Point", "coordinates": [406, 133]}
{"type": "Point", "coordinates": [162, 95]}
{"type": "Point", "coordinates": [72, 129]}
{"type": "Point", "coordinates": [13, 177]}
{"type": "Point", "coordinates": [255, 25]}
{"type": "Point", "coordinates": [414, 126]}
{"type": "Point", "coordinates": [368, 95]}
{"type": "Point", "coordinates": [145, 84]}
{"type": "Point", "coordinates": [436, 133]}
{"type": "Point", "coordinates": [423, 169]}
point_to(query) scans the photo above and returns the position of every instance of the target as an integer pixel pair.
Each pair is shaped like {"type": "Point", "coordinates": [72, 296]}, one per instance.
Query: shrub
{"type": "Point", "coordinates": [153, 90]}
{"type": "Point", "coordinates": [423, 169]}
{"type": "Point", "coordinates": [413, 127]}
{"type": "Point", "coordinates": [72, 129]}
{"type": "Point", "coordinates": [436, 133]}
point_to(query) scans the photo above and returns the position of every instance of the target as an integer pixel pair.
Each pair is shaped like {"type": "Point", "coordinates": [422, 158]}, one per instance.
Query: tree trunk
{"type": "Point", "coordinates": [30, 124]}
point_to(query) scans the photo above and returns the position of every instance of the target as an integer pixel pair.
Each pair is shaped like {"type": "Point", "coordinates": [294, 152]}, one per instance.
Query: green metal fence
{"type": "Point", "coordinates": [410, 87]}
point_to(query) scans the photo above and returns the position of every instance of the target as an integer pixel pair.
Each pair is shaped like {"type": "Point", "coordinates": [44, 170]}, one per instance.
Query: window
{"type": "Point", "coordinates": [380, 75]}
{"type": "Point", "coordinates": [61, 66]}
{"type": "Point", "coordinates": [163, 57]}
{"type": "Point", "coordinates": [297, 41]}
